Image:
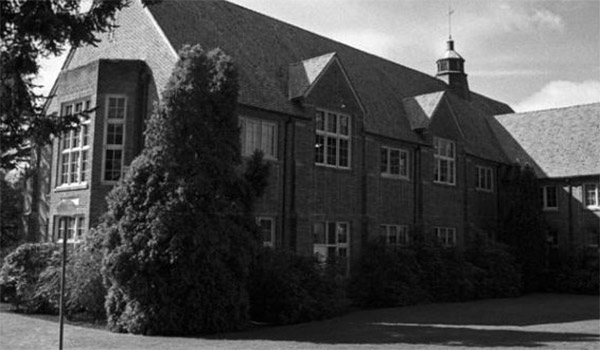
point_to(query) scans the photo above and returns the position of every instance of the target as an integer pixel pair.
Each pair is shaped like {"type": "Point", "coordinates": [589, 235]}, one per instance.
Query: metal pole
{"type": "Point", "coordinates": [62, 284]}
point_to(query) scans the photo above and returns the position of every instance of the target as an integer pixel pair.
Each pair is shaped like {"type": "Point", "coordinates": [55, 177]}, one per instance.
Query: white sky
{"type": "Point", "coordinates": [531, 54]}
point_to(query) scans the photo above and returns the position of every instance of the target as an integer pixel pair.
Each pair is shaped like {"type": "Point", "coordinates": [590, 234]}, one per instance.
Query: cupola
{"type": "Point", "coordinates": [451, 69]}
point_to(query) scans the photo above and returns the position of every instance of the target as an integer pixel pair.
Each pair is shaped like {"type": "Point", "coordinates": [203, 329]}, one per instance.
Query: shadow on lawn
{"type": "Point", "coordinates": [476, 324]}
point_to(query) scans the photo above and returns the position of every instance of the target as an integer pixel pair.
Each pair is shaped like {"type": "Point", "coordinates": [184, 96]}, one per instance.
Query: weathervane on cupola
{"type": "Point", "coordinates": [451, 67]}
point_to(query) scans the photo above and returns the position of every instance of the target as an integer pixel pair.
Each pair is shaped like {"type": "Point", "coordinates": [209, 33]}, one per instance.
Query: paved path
{"type": "Point", "coordinates": [536, 321]}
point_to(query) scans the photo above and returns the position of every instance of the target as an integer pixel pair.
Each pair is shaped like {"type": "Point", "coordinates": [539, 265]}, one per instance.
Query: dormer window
{"type": "Point", "coordinates": [332, 144]}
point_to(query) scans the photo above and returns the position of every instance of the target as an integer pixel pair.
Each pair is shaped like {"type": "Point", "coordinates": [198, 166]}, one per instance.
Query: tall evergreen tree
{"type": "Point", "coordinates": [523, 224]}
{"type": "Point", "coordinates": [180, 231]}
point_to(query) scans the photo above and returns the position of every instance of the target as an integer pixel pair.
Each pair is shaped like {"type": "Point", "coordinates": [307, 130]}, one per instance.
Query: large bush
{"type": "Point", "coordinates": [287, 288]}
{"type": "Point", "coordinates": [387, 276]}
{"type": "Point", "coordinates": [427, 272]}
{"type": "Point", "coordinates": [576, 273]}
{"type": "Point", "coordinates": [180, 232]}
{"type": "Point", "coordinates": [20, 276]}
{"type": "Point", "coordinates": [85, 293]}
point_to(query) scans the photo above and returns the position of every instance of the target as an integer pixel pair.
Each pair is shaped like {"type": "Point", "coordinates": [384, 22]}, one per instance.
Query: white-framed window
{"type": "Point", "coordinates": [485, 179]}
{"type": "Point", "coordinates": [332, 143]}
{"type": "Point", "coordinates": [445, 161]}
{"type": "Point", "coordinates": [267, 230]}
{"type": "Point", "coordinates": [549, 197]}
{"type": "Point", "coordinates": [446, 236]}
{"type": "Point", "coordinates": [395, 235]}
{"type": "Point", "coordinates": [394, 162]}
{"type": "Point", "coordinates": [591, 196]}
{"type": "Point", "coordinates": [258, 134]}
{"type": "Point", "coordinates": [74, 149]}
{"type": "Point", "coordinates": [114, 138]}
{"type": "Point", "coordinates": [331, 241]}
{"type": "Point", "coordinates": [75, 228]}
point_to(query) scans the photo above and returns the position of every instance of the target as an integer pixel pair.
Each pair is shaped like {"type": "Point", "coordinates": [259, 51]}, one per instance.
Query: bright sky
{"type": "Point", "coordinates": [531, 54]}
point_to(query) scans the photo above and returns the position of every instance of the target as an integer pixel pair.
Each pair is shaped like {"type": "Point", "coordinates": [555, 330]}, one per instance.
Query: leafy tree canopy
{"type": "Point", "coordinates": [31, 30]}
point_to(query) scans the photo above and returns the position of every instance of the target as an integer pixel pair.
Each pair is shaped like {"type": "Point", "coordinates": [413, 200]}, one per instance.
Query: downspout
{"type": "Point", "coordinates": [570, 214]}
{"type": "Point", "coordinates": [465, 200]}
{"type": "Point", "coordinates": [284, 175]}
{"type": "Point", "coordinates": [364, 183]}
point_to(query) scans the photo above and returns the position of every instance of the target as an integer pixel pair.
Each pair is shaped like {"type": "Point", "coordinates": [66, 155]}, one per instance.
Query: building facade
{"type": "Point", "coordinates": [360, 147]}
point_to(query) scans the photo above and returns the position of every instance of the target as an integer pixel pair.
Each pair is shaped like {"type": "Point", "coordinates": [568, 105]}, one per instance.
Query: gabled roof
{"type": "Point", "coordinates": [304, 74]}
{"type": "Point", "coordinates": [562, 142]}
{"type": "Point", "coordinates": [264, 48]}
{"type": "Point", "coordinates": [420, 109]}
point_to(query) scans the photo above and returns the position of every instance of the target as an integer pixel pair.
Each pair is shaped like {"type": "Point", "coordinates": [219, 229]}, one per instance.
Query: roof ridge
{"type": "Point", "coordinates": [551, 109]}
{"type": "Point", "coordinates": [328, 38]}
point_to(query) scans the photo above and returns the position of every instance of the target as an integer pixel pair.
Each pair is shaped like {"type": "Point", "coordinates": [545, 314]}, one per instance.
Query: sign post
{"type": "Point", "coordinates": [65, 208]}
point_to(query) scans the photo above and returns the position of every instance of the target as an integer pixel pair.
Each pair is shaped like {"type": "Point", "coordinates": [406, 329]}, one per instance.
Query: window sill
{"type": "Point", "coordinates": [449, 184]}
{"type": "Point", "coordinates": [484, 190]}
{"type": "Point", "coordinates": [334, 167]}
{"type": "Point", "coordinates": [64, 188]}
{"type": "Point", "coordinates": [592, 208]}
{"type": "Point", "coordinates": [394, 177]}
{"type": "Point", "coordinates": [551, 209]}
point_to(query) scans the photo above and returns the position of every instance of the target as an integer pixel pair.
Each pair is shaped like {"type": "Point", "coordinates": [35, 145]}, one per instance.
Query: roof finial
{"type": "Point", "coordinates": [450, 12]}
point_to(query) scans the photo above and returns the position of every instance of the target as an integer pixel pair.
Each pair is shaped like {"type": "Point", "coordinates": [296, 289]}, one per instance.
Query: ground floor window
{"type": "Point", "coordinates": [73, 226]}
{"type": "Point", "coordinates": [332, 241]}
{"type": "Point", "coordinates": [395, 235]}
{"type": "Point", "coordinates": [446, 236]}
{"type": "Point", "coordinates": [591, 196]}
{"type": "Point", "coordinates": [267, 230]}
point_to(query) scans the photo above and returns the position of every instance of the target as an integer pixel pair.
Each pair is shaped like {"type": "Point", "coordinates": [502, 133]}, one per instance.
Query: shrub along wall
{"type": "Point", "coordinates": [286, 288]}
{"type": "Point", "coordinates": [426, 272]}
{"type": "Point", "coordinates": [30, 278]}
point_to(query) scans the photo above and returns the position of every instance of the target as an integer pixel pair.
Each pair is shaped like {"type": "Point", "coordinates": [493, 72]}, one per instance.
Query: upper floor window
{"type": "Point", "coordinates": [74, 146]}
{"type": "Point", "coordinates": [591, 196]}
{"type": "Point", "coordinates": [267, 230]}
{"type": "Point", "coordinates": [332, 145]}
{"type": "Point", "coordinates": [549, 197]}
{"type": "Point", "coordinates": [258, 135]}
{"type": "Point", "coordinates": [484, 179]}
{"type": "Point", "coordinates": [394, 162]}
{"type": "Point", "coordinates": [446, 236]}
{"type": "Point", "coordinates": [114, 138]}
{"type": "Point", "coordinates": [445, 161]}
{"type": "Point", "coordinates": [395, 235]}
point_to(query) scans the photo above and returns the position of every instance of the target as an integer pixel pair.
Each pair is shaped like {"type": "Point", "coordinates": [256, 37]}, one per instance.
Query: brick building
{"type": "Point", "coordinates": [360, 146]}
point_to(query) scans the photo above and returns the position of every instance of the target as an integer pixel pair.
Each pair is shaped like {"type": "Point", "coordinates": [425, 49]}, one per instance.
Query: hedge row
{"type": "Point", "coordinates": [427, 272]}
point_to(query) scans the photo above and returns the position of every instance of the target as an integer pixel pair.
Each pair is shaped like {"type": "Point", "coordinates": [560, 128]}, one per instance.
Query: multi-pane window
{"type": "Point", "coordinates": [74, 148]}
{"type": "Point", "coordinates": [591, 196]}
{"type": "Point", "coordinates": [114, 141]}
{"type": "Point", "coordinates": [446, 236]}
{"type": "Point", "coordinates": [484, 179]}
{"type": "Point", "coordinates": [259, 135]}
{"type": "Point", "coordinates": [74, 226]}
{"type": "Point", "coordinates": [331, 241]}
{"type": "Point", "coordinates": [394, 162]}
{"type": "Point", "coordinates": [549, 197]}
{"type": "Point", "coordinates": [332, 144]}
{"type": "Point", "coordinates": [395, 235]}
{"type": "Point", "coordinates": [445, 161]}
{"type": "Point", "coordinates": [267, 231]}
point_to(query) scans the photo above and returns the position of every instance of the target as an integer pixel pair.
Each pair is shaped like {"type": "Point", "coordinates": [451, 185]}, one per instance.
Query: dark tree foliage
{"type": "Point", "coordinates": [523, 225]}
{"type": "Point", "coordinates": [30, 30]}
{"type": "Point", "coordinates": [180, 234]}
{"type": "Point", "coordinates": [11, 211]}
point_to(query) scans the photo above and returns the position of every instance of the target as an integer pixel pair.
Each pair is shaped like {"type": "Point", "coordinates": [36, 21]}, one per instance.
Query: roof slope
{"type": "Point", "coordinates": [264, 48]}
{"type": "Point", "coordinates": [563, 142]}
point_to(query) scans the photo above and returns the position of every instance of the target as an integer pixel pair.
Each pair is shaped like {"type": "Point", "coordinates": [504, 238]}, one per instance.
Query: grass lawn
{"type": "Point", "coordinates": [545, 321]}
